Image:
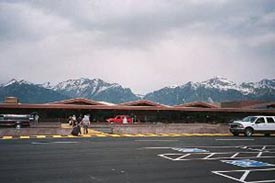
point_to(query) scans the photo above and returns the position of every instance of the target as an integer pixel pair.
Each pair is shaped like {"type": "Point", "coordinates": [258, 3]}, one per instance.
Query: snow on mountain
{"type": "Point", "coordinates": [265, 83]}
{"type": "Point", "coordinates": [84, 86]}
{"type": "Point", "coordinates": [14, 81]}
{"type": "Point", "coordinates": [191, 85]}
{"type": "Point", "coordinates": [216, 89]}
{"type": "Point", "coordinates": [28, 92]}
{"type": "Point", "coordinates": [224, 84]}
{"type": "Point", "coordinates": [219, 83]}
{"type": "Point", "coordinates": [10, 82]}
{"type": "Point", "coordinates": [46, 85]}
{"type": "Point", "coordinates": [173, 86]}
{"type": "Point", "coordinates": [140, 96]}
{"type": "Point", "coordinates": [95, 89]}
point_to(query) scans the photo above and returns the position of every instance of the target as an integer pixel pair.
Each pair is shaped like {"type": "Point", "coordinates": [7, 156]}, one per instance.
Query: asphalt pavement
{"type": "Point", "coordinates": [138, 160]}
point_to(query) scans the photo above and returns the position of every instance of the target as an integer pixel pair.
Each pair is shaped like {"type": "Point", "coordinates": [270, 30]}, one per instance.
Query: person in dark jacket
{"type": "Point", "coordinates": [79, 120]}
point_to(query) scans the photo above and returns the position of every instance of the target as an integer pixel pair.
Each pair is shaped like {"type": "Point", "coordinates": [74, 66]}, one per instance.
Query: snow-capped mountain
{"type": "Point", "coordinates": [216, 89]}
{"type": "Point", "coordinates": [83, 87]}
{"type": "Point", "coordinates": [28, 92]}
{"type": "Point", "coordinates": [46, 85]}
{"type": "Point", "coordinates": [265, 83]}
{"type": "Point", "coordinates": [96, 89]}
{"type": "Point", "coordinates": [18, 82]}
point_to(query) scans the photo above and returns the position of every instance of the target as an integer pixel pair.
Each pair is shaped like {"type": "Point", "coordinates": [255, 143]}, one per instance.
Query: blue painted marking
{"type": "Point", "coordinates": [247, 163]}
{"type": "Point", "coordinates": [189, 150]}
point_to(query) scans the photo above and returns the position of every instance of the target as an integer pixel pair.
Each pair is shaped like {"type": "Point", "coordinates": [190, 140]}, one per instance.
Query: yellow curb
{"type": "Point", "coordinates": [196, 134]}
{"type": "Point", "coordinates": [86, 135]}
{"type": "Point", "coordinates": [57, 136]}
{"type": "Point", "coordinates": [175, 135]}
{"type": "Point", "coordinates": [94, 131]}
{"type": "Point", "coordinates": [164, 135]}
{"type": "Point", "coordinates": [100, 135]}
{"type": "Point", "coordinates": [40, 136]}
{"type": "Point", "coordinates": [24, 137]}
{"type": "Point", "coordinates": [139, 135]}
{"type": "Point", "coordinates": [186, 135]}
{"type": "Point", "coordinates": [71, 136]}
{"type": "Point", "coordinates": [127, 135]}
{"type": "Point", "coordinates": [221, 134]}
{"type": "Point", "coordinates": [7, 137]}
{"type": "Point", "coordinates": [151, 135]}
{"type": "Point", "coordinates": [113, 135]}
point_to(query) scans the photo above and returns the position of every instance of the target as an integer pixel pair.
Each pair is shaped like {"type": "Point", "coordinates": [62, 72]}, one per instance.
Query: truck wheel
{"type": "Point", "coordinates": [248, 132]}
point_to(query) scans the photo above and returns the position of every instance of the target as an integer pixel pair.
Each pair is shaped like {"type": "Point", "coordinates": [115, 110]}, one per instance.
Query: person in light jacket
{"type": "Point", "coordinates": [85, 123]}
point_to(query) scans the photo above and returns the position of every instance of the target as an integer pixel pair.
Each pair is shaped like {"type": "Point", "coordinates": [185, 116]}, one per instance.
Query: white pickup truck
{"type": "Point", "coordinates": [253, 124]}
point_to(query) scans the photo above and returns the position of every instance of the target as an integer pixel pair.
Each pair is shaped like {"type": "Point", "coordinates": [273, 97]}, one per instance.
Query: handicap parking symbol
{"type": "Point", "coordinates": [190, 150]}
{"type": "Point", "coordinates": [247, 163]}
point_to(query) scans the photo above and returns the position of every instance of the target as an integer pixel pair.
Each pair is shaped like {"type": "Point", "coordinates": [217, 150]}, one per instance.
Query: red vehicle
{"type": "Point", "coordinates": [120, 119]}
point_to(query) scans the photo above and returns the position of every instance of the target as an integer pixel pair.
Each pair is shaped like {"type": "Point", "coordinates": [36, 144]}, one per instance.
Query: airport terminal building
{"type": "Point", "coordinates": [140, 110]}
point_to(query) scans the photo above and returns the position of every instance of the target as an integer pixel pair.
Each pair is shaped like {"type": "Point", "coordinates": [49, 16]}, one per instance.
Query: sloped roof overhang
{"type": "Point", "coordinates": [262, 105]}
{"type": "Point", "coordinates": [137, 108]}
{"type": "Point", "coordinates": [142, 103]}
{"type": "Point", "coordinates": [77, 101]}
{"type": "Point", "coordinates": [198, 105]}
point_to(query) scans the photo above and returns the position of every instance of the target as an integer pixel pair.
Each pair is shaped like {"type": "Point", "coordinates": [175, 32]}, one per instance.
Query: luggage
{"type": "Point", "coordinates": [75, 131]}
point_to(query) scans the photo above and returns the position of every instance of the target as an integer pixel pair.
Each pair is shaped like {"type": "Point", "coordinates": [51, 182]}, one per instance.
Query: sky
{"type": "Point", "coordinates": [141, 44]}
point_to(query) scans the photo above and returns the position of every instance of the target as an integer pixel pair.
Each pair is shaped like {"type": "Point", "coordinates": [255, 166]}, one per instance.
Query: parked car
{"type": "Point", "coordinates": [253, 124]}
{"type": "Point", "coordinates": [120, 119]}
{"type": "Point", "coordinates": [18, 120]}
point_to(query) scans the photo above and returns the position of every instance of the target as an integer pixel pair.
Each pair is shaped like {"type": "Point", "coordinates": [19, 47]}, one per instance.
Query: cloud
{"type": "Point", "coordinates": [144, 45]}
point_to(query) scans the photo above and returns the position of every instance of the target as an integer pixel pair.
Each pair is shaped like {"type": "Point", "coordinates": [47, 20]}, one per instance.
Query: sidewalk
{"type": "Point", "coordinates": [144, 130]}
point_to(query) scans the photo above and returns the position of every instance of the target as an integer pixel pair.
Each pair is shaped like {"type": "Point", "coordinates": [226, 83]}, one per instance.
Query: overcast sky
{"type": "Point", "coordinates": [141, 44]}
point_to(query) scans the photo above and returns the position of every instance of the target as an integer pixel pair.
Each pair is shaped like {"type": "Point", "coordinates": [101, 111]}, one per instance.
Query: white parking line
{"type": "Point", "coordinates": [245, 174]}
{"type": "Point", "coordinates": [57, 142]}
{"type": "Point", "coordinates": [236, 154]}
{"type": "Point", "coordinates": [156, 140]}
{"type": "Point", "coordinates": [260, 154]}
{"type": "Point", "coordinates": [211, 156]}
{"type": "Point", "coordinates": [156, 147]}
{"type": "Point", "coordinates": [234, 139]}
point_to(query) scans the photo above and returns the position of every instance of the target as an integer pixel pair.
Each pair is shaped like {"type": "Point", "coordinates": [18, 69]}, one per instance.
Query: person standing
{"type": "Point", "coordinates": [74, 121]}
{"type": "Point", "coordinates": [76, 126]}
{"type": "Point", "coordinates": [70, 120]}
{"type": "Point", "coordinates": [124, 120]}
{"type": "Point", "coordinates": [79, 122]}
{"type": "Point", "coordinates": [85, 123]}
{"type": "Point", "coordinates": [36, 118]}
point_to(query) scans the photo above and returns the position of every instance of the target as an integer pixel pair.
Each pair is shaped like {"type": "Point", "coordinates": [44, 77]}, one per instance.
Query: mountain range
{"type": "Point", "coordinates": [216, 89]}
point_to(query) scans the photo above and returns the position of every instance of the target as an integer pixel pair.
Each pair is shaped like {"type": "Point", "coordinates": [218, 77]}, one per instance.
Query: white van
{"type": "Point", "coordinates": [253, 124]}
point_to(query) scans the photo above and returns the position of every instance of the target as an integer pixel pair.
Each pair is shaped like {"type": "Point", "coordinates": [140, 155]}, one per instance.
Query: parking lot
{"type": "Point", "coordinates": [253, 163]}
{"type": "Point", "coordinates": [151, 159]}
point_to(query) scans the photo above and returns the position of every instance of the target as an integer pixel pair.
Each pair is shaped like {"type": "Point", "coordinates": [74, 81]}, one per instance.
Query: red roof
{"type": "Point", "coordinates": [78, 101]}
{"type": "Point", "coordinates": [198, 104]}
{"type": "Point", "coordinates": [142, 103]}
{"type": "Point", "coordinates": [262, 105]}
